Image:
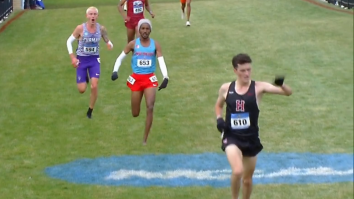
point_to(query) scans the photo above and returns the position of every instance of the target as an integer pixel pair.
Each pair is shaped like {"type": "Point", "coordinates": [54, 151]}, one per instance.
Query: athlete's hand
{"type": "Point", "coordinates": [109, 45]}
{"type": "Point", "coordinates": [75, 62]}
{"type": "Point", "coordinates": [152, 15]}
{"type": "Point", "coordinates": [279, 80]}
{"type": "Point", "coordinates": [220, 124]}
{"type": "Point", "coordinates": [164, 83]}
{"type": "Point", "coordinates": [126, 19]}
{"type": "Point", "coordinates": [114, 76]}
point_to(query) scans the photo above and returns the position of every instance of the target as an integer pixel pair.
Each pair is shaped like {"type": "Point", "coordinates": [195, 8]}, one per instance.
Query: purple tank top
{"type": "Point", "coordinates": [89, 43]}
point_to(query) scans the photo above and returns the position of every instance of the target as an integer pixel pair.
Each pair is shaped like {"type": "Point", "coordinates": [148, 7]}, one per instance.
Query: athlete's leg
{"type": "Point", "coordinates": [189, 9]}
{"type": "Point", "coordinates": [183, 6]}
{"type": "Point", "coordinates": [94, 73]}
{"type": "Point", "coordinates": [150, 96]}
{"type": "Point", "coordinates": [130, 34]}
{"type": "Point", "coordinates": [249, 165]}
{"type": "Point", "coordinates": [81, 76]}
{"type": "Point", "coordinates": [130, 31]}
{"type": "Point", "coordinates": [136, 97]}
{"type": "Point", "coordinates": [81, 87]}
{"type": "Point", "coordinates": [136, 32]}
{"type": "Point", "coordinates": [94, 92]}
{"type": "Point", "coordinates": [234, 156]}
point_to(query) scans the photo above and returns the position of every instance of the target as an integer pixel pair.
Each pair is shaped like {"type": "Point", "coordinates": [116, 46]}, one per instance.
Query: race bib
{"type": "Point", "coordinates": [240, 120]}
{"type": "Point", "coordinates": [89, 50]}
{"type": "Point", "coordinates": [138, 7]}
{"type": "Point", "coordinates": [144, 63]}
{"type": "Point", "coordinates": [131, 80]}
{"type": "Point", "coordinates": [153, 79]}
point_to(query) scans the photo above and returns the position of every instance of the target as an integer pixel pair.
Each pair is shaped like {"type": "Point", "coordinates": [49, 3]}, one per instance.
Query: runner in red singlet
{"type": "Point", "coordinates": [135, 12]}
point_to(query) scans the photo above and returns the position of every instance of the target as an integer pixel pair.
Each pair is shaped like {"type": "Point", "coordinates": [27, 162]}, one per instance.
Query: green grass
{"type": "Point", "coordinates": [43, 123]}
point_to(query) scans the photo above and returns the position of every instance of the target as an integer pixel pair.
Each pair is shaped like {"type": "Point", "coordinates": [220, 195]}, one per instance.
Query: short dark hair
{"type": "Point", "coordinates": [241, 58]}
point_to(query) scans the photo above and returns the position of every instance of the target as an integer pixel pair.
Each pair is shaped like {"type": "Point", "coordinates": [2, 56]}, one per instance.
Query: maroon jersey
{"type": "Point", "coordinates": [135, 8]}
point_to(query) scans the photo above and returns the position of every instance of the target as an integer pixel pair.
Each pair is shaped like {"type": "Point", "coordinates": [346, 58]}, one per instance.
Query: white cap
{"type": "Point", "coordinates": [142, 21]}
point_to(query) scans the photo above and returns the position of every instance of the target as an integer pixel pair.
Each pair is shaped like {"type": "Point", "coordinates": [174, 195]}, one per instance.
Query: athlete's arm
{"type": "Point", "coordinates": [221, 100]}
{"type": "Point", "coordinates": [280, 90]}
{"type": "Point", "coordinates": [129, 47]}
{"type": "Point", "coordinates": [147, 7]}
{"type": "Point", "coordinates": [105, 37]}
{"type": "Point", "coordinates": [220, 122]}
{"type": "Point", "coordinates": [72, 38]}
{"type": "Point", "coordinates": [161, 60]}
{"type": "Point", "coordinates": [120, 8]}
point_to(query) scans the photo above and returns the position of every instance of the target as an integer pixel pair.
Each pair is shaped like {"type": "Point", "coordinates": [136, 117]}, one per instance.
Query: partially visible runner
{"type": "Point", "coordinates": [189, 9]}
{"type": "Point", "coordinates": [135, 12]}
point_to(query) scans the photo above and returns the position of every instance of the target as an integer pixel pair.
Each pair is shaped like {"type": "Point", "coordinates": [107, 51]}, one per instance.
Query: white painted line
{"type": "Point", "coordinates": [225, 174]}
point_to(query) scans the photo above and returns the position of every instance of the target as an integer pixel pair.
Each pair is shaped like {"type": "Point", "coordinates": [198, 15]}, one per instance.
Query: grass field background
{"type": "Point", "coordinates": [42, 116]}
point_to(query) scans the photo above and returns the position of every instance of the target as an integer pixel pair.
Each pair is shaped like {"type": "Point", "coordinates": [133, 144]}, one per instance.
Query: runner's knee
{"type": "Point", "coordinates": [247, 181]}
{"type": "Point", "coordinates": [150, 107]}
{"type": "Point", "coordinates": [81, 89]}
{"type": "Point", "coordinates": [94, 85]}
{"type": "Point", "coordinates": [135, 112]}
{"type": "Point", "coordinates": [237, 171]}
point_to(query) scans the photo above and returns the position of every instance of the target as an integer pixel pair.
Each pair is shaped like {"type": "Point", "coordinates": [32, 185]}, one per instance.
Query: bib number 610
{"type": "Point", "coordinates": [240, 122]}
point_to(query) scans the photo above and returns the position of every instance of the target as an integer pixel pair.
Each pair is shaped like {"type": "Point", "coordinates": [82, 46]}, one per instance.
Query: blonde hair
{"type": "Point", "coordinates": [90, 8]}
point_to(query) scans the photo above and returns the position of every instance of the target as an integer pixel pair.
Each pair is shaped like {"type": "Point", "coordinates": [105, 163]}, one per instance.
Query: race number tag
{"type": "Point", "coordinates": [240, 120]}
{"type": "Point", "coordinates": [153, 79]}
{"type": "Point", "coordinates": [90, 49]}
{"type": "Point", "coordinates": [131, 80]}
{"type": "Point", "coordinates": [144, 63]}
{"type": "Point", "coordinates": [138, 7]}
{"type": "Point", "coordinates": [138, 10]}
